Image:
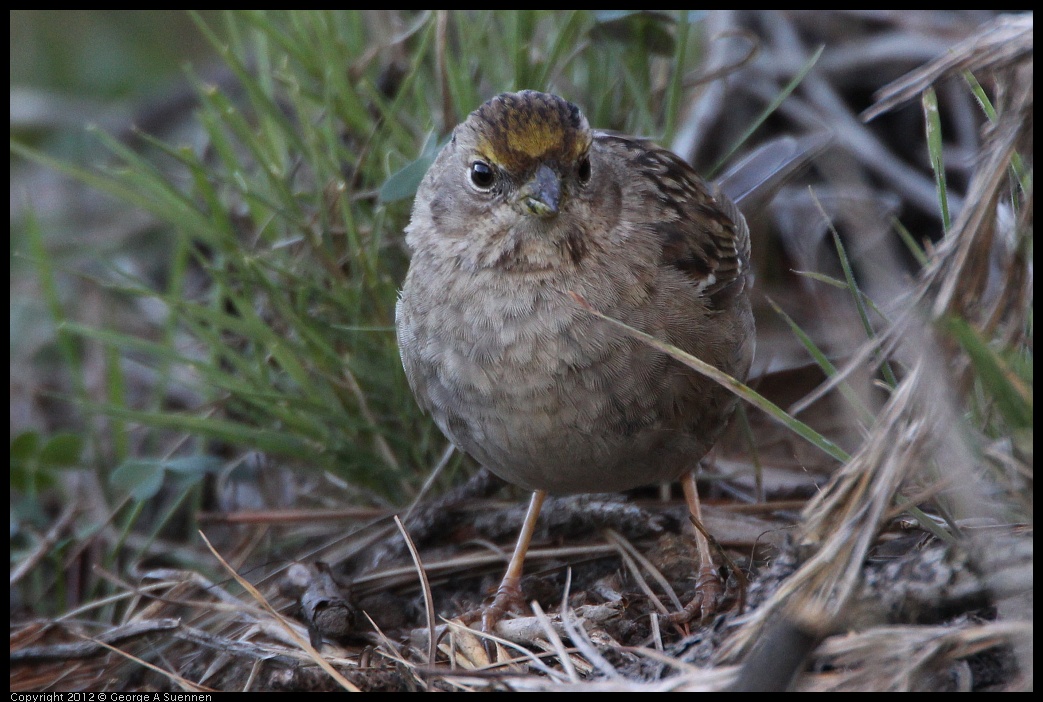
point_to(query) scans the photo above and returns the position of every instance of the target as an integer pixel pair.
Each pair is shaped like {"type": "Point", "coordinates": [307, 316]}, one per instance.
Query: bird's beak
{"type": "Point", "coordinates": [542, 195]}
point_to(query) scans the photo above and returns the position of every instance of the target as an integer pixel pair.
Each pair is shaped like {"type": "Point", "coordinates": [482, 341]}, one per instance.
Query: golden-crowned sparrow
{"type": "Point", "coordinates": [524, 208]}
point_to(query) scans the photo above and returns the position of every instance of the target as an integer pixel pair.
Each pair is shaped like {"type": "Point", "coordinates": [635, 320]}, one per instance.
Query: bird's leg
{"type": "Point", "coordinates": [509, 592]}
{"type": "Point", "coordinates": [708, 585]}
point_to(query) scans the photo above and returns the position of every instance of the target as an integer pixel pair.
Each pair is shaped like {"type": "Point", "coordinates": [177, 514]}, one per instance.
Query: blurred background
{"type": "Point", "coordinates": [206, 247]}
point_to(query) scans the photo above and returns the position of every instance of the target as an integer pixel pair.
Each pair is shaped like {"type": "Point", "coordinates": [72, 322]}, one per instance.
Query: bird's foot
{"type": "Point", "coordinates": [707, 601]}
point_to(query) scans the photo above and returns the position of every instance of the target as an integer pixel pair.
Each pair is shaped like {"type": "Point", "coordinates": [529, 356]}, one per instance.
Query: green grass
{"type": "Point", "coordinates": [277, 253]}
{"type": "Point", "coordinates": [277, 250]}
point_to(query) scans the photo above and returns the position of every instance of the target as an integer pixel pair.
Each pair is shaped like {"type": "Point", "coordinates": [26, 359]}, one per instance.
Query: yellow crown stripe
{"type": "Point", "coordinates": [522, 131]}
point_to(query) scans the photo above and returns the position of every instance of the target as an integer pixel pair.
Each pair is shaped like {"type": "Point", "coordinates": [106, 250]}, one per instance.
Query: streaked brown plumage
{"type": "Point", "coordinates": [524, 206]}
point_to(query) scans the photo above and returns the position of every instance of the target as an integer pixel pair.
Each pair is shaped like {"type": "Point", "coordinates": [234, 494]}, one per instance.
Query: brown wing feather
{"type": "Point", "coordinates": [703, 233]}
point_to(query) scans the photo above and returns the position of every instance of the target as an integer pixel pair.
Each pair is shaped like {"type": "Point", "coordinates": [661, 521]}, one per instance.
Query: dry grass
{"type": "Point", "coordinates": [907, 566]}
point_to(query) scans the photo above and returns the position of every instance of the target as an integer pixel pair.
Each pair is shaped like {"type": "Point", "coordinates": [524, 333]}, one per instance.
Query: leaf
{"type": "Point", "coordinates": [404, 183]}
{"type": "Point", "coordinates": [189, 470]}
{"type": "Point", "coordinates": [142, 478]}
{"type": "Point", "coordinates": [62, 451]}
{"type": "Point", "coordinates": [25, 446]}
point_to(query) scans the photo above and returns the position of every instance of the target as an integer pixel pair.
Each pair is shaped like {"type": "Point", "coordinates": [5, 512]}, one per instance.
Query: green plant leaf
{"type": "Point", "coordinates": [62, 450]}
{"type": "Point", "coordinates": [404, 183]}
{"type": "Point", "coordinates": [1012, 397]}
{"type": "Point", "coordinates": [25, 445]}
{"type": "Point", "coordinates": [140, 477]}
{"type": "Point", "coordinates": [143, 478]}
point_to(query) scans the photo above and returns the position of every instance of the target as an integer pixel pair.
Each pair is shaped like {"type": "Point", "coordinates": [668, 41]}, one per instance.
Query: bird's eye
{"type": "Point", "coordinates": [583, 172]}
{"type": "Point", "coordinates": [482, 175]}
